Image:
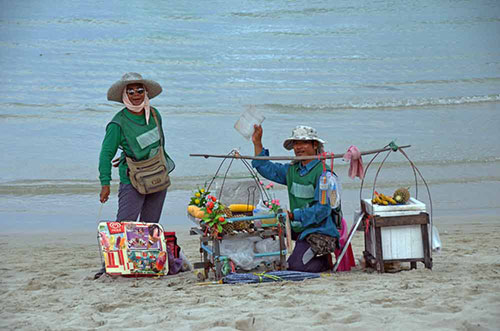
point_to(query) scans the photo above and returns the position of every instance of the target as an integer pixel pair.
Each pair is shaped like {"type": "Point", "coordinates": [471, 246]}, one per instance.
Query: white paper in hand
{"type": "Point", "coordinates": [247, 120]}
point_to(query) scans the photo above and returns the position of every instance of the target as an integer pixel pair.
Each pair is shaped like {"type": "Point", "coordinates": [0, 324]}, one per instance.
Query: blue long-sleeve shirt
{"type": "Point", "coordinates": [312, 217]}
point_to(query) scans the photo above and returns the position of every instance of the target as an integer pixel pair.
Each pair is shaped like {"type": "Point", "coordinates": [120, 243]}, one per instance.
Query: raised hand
{"type": "Point", "coordinates": [257, 139]}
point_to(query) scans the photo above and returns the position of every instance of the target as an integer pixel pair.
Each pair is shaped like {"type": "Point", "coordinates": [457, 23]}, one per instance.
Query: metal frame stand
{"type": "Point", "coordinates": [210, 246]}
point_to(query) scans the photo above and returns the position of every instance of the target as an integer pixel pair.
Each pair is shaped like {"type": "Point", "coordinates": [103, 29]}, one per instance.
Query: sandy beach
{"type": "Point", "coordinates": [362, 73]}
{"type": "Point", "coordinates": [47, 284]}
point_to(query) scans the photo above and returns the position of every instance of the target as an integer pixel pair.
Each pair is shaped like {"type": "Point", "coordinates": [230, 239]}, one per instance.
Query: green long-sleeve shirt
{"type": "Point", "coordinates": [115, 138]}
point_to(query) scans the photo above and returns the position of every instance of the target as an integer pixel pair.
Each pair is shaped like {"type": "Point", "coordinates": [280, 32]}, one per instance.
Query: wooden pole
{"type": "Point", "coordinates": [288, 229]}
{"type": "Point", "coordinates": [283, 158]}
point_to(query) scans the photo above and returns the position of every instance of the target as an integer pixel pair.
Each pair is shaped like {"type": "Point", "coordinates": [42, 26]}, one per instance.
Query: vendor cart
{"type": "Point", "coordinates": [259, 245]}
{"type": "Point", "coordinates": [396, 234]}
{"type": "Point", "coordinates": [213, 259]}
{"type": "Point", "coordinates": [399, 232]}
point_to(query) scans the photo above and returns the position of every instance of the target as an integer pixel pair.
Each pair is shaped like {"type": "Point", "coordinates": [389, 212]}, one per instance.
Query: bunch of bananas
{"type": "Point", "coordinates": [382, 199]}
{"type": "Point", "coordinates": [196, 211]}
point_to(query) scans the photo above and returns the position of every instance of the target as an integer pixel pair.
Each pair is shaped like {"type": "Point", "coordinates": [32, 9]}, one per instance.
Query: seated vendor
{"type": "Point", "coordinates": [313, 227]}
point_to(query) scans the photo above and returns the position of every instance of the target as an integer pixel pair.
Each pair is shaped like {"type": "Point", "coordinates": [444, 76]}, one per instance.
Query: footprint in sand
{"type": "Point", "coordinates": [381, 301]}
{"type": "Point", "coordinates": [324, 316]}
{"type": "Point", "coordinates": [33, 285]}
{"type": "Point", "coordinates": [107, 308]}
{"type": "Point", "coordinates": [353, 318]}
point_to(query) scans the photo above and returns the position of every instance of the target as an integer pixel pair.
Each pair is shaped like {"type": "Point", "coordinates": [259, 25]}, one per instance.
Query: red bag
{"type": "Point", "coordinates": [171, 241]}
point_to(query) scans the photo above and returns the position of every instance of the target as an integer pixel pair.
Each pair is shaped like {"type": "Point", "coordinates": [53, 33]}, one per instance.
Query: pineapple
{"type": "Point", "coordinates": [401, 195]}
{"type": "Point", "coordinates": [228, 228]}
{"type": "Point", "coordinates": [242, 225]}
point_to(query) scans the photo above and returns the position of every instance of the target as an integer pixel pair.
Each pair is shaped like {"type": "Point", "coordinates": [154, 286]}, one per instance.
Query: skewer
{"type": "Point", "coordinates": [282, 158]}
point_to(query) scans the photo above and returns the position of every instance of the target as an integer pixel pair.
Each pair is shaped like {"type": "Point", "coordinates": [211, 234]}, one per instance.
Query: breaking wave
{"type": "Point", "coordinates": [37, 187]}
{"type": "Point", "coordinates": [387, 104]}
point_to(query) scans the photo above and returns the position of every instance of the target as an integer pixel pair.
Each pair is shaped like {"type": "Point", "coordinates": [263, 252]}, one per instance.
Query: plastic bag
{"type": "Point", "coordinates": [247, 120]}
{"type": "Point", "coordinates": [334, 190]}
{"type": "Point", "coordinates": [330, 189]}
{"type": "Point", "coordinates": [266, 246]}
{"type": "Point", "coordinates": [186, 264]}
{"type": "Point", "coordinates": [261, 208]}
{"type": "Point", "coordinates": [240, 251]}
{"type": "Point", "coordinates": [237, 191]}
{"type": "Point", "coordinates": [436, 241]}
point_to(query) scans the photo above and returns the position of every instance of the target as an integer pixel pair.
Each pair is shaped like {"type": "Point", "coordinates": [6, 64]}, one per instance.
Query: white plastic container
{"type": "Point", "coordinates": [398, 242]}
{"type": "Point", "coordinates": [412, 207]}
{"type": "Point", "coordinates": [247, 120]}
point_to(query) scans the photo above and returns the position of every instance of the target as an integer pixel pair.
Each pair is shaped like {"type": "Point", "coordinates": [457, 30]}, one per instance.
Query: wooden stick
{"type": "Point", "coordinates": [288, 229]}
{"type": "Point", "coordinates": [282, 158]}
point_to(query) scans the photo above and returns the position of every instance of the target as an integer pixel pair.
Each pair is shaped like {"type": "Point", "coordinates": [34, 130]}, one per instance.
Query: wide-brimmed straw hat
{"type": "Point", "coordinates": [302, 132]}
{"type": "Point", "coordinates": [116, 90]}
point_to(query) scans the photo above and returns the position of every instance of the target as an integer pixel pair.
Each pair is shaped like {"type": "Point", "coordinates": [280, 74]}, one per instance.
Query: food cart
{"type": "Point", "coordinates": [245, 239]}
{"type": "Point", "coordinates": [262, 246]}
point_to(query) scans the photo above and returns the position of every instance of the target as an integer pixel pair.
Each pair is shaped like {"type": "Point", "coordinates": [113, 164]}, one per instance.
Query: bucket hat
{"type": "Point", "coordinates": [302, 132]}
{"type": "Point", "coordinates": [116, 90]}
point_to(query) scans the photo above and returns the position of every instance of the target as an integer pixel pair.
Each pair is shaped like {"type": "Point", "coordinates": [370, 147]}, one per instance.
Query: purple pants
{"type": "Point", "coordinates": [131, 204]}
{"type": "Point", "coordinates": [316, 264]}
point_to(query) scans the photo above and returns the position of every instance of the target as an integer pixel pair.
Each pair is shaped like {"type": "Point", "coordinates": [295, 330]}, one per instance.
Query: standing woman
{"type": "Point", "coordinates": [137, 131]}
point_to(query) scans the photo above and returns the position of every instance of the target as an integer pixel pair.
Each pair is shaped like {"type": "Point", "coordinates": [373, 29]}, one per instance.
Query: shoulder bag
{"type": "Point", "coordinates": [151, 175]}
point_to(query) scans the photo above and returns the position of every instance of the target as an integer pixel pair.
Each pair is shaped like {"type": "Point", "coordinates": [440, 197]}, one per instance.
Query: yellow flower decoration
{"type": "Point", "coordinates": [199, 197]}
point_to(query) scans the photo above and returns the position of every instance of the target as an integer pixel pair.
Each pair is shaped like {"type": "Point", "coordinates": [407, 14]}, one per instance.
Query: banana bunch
{"type": "Point", "coordinates": [196, 211]}
{"type": "Point", "coordinates": [383, 200]}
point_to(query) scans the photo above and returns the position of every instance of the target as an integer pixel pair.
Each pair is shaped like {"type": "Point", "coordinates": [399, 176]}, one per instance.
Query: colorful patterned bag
{"type": "Point", "coordinates": [133, 248]}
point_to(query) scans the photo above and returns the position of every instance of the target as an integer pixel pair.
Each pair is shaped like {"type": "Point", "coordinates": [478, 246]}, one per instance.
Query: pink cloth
{"type": "Point", "coordinates": [348, 260]}
{"type": "Point", "coordinates": [356, 167]}
{"type": "Point", "coordinates": [138, 108]}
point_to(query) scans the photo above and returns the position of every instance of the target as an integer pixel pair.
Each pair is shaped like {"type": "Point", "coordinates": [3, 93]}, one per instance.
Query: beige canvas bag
{"type": "Point", "coordinates": [151, 175]}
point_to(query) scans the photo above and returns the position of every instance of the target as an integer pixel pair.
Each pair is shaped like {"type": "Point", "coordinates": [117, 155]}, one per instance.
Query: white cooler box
{"type": "Point", "coordinates": [401, 235]}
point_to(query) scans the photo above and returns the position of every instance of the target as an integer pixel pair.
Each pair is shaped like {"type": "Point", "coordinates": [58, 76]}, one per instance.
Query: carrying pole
{"type": "Point", "coordinates": [290, 158]}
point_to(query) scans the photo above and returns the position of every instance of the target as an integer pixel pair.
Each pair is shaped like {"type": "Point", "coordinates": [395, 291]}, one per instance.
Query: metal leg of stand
{"type": "Point", "coordinates": [217, 261]}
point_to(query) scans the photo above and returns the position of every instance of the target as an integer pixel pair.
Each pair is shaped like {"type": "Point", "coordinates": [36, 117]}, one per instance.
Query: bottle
{"type": "Point", "coordinates": [323, 188]}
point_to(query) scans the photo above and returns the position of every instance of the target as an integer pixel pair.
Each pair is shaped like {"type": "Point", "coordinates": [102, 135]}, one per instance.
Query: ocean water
{"type": "Point", "coordinates": [421, 73]}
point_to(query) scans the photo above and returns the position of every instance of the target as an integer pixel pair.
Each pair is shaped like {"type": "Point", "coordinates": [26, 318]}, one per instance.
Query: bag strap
{"type": "Point", "coordinates": [160, 132]}
{"type": "Point", "coordinates": [323, 161]}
